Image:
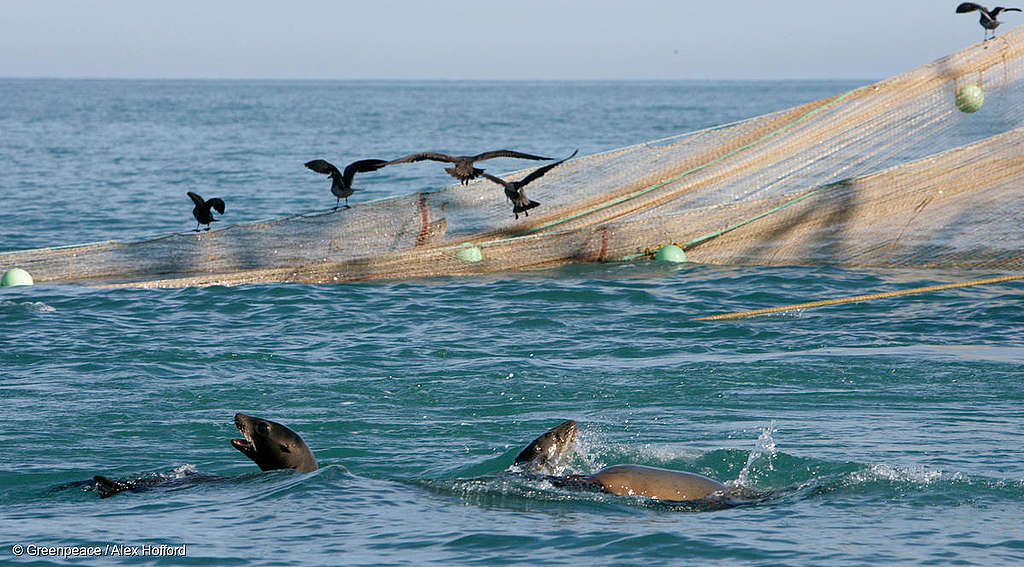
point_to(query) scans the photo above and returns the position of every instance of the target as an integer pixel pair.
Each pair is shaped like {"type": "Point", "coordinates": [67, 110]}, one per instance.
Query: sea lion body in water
{"type": "Point", "coordinates": [652, 482]}
{"type": "Point", "coordinates": [269, 444]}
{"type": "Point", "coordinates": [630, 480]}
{"type": "Point", "coordinates": [106, 486]}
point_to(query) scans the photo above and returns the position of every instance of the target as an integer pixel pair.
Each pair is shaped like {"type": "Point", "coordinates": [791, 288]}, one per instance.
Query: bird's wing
{"type": "Point", "coordinates": [996, 10]}
{"type": "Point", "coordinates": [433, 156]}
{"type": "Point", "coordinates": [197, 199]}
{"type": "Point", "coordinates": [540, 171]}
{"type": "Point", "coordinates": [217, 204]}
{"type": "Point", "coordinates": [323, 166]}
{"type": "Point", "coordinates": [497, 180]}
{"type": "Point", "coordinates": [965, 7]}
{"type": "Point", "coordinates": [505, 153]}
{"type": "Point", "coordinates": [359, 167]}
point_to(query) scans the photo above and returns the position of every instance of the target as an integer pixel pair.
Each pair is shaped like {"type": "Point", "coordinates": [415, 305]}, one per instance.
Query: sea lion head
{"type": "Point", "coordinates": [548, 448]}
{"type": "Point", "coordinates": [272, 446]}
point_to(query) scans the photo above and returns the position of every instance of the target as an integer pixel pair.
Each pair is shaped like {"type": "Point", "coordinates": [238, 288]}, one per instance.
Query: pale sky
{"type": "Point", "coordinates": [480, 39]}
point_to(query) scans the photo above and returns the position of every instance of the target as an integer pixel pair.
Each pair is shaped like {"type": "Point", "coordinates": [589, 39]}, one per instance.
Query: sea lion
{"type": "Point", "coordinates": [272, 446]}
{"type": "Point", "coordinates": [548, 448]}
{"type": "Point", "coordinates": [632, 480]}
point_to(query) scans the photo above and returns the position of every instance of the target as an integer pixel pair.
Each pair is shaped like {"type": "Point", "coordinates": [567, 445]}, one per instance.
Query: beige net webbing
{"type": "Point", "coordinates": [891, 174]}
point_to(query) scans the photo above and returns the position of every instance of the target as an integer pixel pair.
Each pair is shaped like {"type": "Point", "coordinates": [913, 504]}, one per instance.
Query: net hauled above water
{"type": "Point", "coordinates": [901, 173]}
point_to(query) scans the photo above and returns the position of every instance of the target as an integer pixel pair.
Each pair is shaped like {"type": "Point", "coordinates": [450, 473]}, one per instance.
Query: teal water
{"type": "Point", "coordinates": [878, 433]}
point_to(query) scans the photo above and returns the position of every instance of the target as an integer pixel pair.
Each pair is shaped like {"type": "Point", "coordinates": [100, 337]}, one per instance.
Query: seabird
{"type": "Point", "coordinates": [988, 17]}
{"type": "Point", "coordinates": [341, 183]}
{"type": "Point", "coordinates": [514, 189]}
{"type": "Point", "coordinates": [202, 210]}
{"type": "Point", "coordinates": [464, 170]}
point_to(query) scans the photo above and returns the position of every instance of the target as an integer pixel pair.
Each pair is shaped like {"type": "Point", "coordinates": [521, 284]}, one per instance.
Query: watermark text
{"type": "Point", "coordinates": [106, 550]}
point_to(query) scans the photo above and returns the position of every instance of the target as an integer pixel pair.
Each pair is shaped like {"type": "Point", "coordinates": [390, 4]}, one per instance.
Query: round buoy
{"type": "Point", "coordinates": [16, 276]}
{"type": "Point", "coordinates": [469, 253]}
{"type": "Point", "coordinates": [969, 98]}
{"type": "Point", "coordinates": [670, 253]}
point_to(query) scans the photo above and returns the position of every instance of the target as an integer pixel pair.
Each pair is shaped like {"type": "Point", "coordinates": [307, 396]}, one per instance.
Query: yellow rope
{"type": "Point", "coordinates": [856, 298]}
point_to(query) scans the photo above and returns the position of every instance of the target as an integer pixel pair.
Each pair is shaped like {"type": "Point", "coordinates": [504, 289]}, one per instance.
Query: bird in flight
{"type": "Point", "coordinates": [202, 210]}
{"type": "Point", "coordinates": [988, 17]}
{"type": "Point", "coordinates": [341, 183]}
{"type": "Point", "coordinates": [514, 189]}
{"type": "Point", "coordinates": [464, 170]}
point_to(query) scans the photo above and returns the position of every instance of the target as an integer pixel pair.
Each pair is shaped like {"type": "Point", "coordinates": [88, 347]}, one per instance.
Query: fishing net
{"type": "Point", "coordinates": [914, 171]}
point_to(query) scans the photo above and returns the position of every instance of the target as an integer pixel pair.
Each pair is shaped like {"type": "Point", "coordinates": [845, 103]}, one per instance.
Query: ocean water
{"type": "Point", "coordinates": [886, 432]}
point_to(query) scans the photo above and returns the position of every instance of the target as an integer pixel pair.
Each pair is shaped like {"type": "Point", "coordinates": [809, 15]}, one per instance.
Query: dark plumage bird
{"type": "Point", "coordinates": [341, 183]}
{"type": "Point", "coordinates": [202, 210]}
{"type": "Point", "coordinates": [464, 170]}
{"type": "Point", "coordinates": [988, 17]}
{"type": "Point", "coordinates": [514, 189]}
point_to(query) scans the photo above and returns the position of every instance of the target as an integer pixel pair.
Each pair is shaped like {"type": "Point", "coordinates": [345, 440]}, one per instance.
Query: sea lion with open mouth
{"type": "Point", "coordinates": [272, 446]}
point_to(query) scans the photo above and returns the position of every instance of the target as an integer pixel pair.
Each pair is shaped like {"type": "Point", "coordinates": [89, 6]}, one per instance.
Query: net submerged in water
{"type": "Point", "coordinates": [892, 174]}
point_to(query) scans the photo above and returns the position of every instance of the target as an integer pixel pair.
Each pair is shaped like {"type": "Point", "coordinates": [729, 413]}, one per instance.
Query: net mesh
{"type": "Point", "coordinates": [890, 174]}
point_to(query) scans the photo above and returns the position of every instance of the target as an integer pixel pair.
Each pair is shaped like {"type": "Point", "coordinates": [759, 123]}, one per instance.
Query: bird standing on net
{"type": "Point", "coordinates": [464, 170]}
{"type": "Point", "coordinates": [988, 17]}
{"type": "Point", "coordinates": [341, 183]}
{"type": "Point", "coordinates": [514, 189]}
{"type": "Point", "coordinates": [202, 210]}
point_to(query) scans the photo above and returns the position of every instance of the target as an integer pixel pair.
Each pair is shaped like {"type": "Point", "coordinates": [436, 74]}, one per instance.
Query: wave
{"type": "Point", "coordinates": [762, 476]}
{"type": "Point", "coordinates": [34, 306]}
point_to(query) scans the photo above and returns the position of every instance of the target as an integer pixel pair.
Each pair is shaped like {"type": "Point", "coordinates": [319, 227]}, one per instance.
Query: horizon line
{"type": "Point", "coordinates": [423, 79]}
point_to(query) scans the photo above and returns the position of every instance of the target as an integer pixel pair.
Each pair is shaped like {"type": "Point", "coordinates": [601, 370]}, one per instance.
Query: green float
{"type": "Point", "coordinates": [16, 276]}
{"type": "Point", "coordinates": [970, 98]}
{"type": "Point", "coordinates": [670, 253]}
{"type": "Point", "coordinates": [469, 253]}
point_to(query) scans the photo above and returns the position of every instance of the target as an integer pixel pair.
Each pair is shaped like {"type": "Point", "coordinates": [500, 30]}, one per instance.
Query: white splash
{"type": "Point", "coordinates": [183, 471]}
{"type": "Point", "coordinates": [763, 447]}
{"type": "Point", "coordinates": [920, 475]}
